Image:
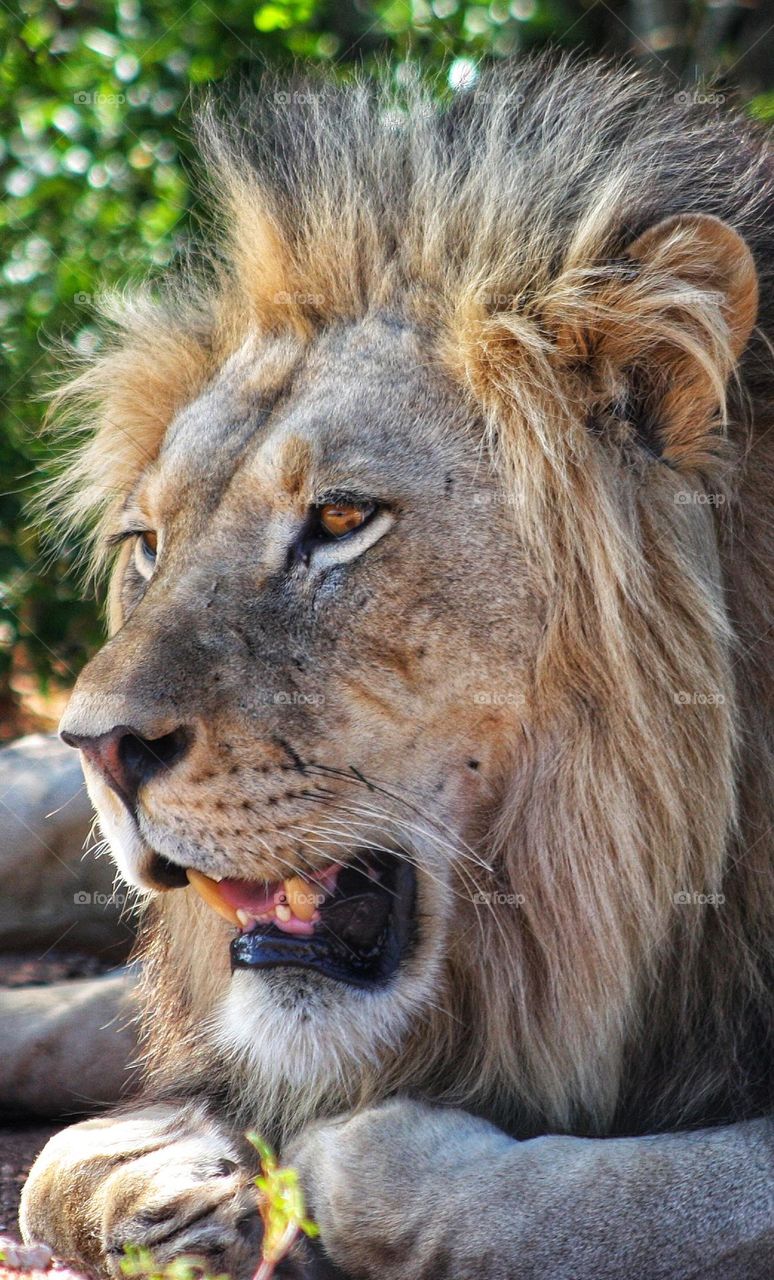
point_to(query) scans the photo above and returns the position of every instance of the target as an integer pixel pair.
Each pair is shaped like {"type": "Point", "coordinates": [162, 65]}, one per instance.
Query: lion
{"type": "Point", "coordinates": [433, 723]}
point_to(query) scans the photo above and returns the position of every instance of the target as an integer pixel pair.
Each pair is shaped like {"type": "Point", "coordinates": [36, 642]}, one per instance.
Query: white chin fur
{"type": "Point", "coordinates": [305, 1045]}
{"type": "Point", "coordinates": [294, 1031]}
{"type": "Point", "coordinates": [295, 1028]}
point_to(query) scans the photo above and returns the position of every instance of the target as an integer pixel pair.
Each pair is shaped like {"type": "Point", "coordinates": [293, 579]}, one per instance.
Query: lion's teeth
{"type": "Point", "coordinates": [208, 890]}
{"type": "Point", "coordinates": [294, 899]}
{"type": "Point", "coordinates": [302, 898]}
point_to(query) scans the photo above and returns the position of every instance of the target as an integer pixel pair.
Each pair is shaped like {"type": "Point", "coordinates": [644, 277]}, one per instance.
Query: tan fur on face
{"type": "Point", "coordinates": [591, 299]}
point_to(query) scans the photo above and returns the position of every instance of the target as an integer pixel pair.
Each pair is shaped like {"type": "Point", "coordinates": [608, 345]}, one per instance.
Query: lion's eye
{"type": "Point", "coordinates": [145, 548]}
{"type": "Point", "coordinates": [340, 530]}
{"type": "Point", "coordinates": [149, 544]}
{"type": "Point", "coordinates": [337, 519]}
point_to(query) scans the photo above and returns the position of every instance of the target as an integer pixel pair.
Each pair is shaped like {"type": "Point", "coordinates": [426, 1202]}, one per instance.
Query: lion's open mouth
{"type": "Point", "coordinates": [352, 923]}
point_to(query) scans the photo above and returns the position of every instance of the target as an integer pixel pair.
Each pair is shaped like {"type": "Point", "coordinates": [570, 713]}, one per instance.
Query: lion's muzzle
{"type": "Point", "coordinates": [360, 926]}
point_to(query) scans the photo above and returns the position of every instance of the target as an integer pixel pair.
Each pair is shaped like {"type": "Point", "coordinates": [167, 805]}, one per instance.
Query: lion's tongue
{"type": "Point", "coordinates": [245, 902]}
{"type": "Point", "coordinates": [248, 895]}
{"type": "Point", "coordinates": [258, 902]}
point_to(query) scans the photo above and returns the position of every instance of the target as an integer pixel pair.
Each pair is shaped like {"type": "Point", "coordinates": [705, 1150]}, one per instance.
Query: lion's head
{"type": "Point", "coordinates": [424, 606]}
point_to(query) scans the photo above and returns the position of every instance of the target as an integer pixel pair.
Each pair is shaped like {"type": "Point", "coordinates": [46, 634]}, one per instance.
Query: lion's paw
{"type": "Point", "coordinates": [389, 1187]}
{"type": "Point", "coordinates": [205, 1207]}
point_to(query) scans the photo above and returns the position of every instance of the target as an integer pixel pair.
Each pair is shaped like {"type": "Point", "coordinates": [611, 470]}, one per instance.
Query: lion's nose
{"type": "Point", "coordinates": [126, 759]}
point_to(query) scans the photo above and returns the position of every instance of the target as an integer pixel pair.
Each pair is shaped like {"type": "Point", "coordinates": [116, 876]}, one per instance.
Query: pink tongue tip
{"type": "Point", "coordinates": [258, 898]}
{"type": "Point", "coordinates": [249, 895]}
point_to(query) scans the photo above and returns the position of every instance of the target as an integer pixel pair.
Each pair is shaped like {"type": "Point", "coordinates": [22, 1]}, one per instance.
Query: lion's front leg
{"type": "Point", "coordinates": [405, 1191]}
{"type": "Point", "coordinates": [165, 1177]}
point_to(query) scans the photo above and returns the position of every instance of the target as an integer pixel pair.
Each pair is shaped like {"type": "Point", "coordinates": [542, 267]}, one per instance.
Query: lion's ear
{"type": "Point", "coordinates": [683, 321]}
{"type": "Point", "coordinates": [660, 330]}
{"type": "Point", "coordinates": [708, 255]}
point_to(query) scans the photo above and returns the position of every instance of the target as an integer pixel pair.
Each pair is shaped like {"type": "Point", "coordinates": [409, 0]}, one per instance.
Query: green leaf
{"type": "Point", "coordinates": [270, 17]}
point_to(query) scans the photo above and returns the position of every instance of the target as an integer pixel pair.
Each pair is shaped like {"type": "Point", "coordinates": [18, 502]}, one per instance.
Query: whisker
{"type": "Point", "coordinates": [355, 775]}
{"type": "Point", "coordinates": [462, 870]}
{"type": "Point", "coordinates": [412, 829]}
{"type": "Point", "coordinates": [402, 853]}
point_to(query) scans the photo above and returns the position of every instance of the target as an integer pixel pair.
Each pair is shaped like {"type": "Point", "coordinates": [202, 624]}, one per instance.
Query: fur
{"type": "Point", "coordinates": [604, 388]}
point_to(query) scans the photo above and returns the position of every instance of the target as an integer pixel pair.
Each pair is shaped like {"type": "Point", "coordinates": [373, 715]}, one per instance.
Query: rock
{"type": "Point", "coordinates": [26, 1257]}
{"type": "Point", "coordinates": [51, 892]}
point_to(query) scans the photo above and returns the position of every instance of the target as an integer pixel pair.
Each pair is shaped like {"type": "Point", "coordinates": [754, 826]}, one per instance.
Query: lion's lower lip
{"type": "Point", "coordinates": [364, 931]}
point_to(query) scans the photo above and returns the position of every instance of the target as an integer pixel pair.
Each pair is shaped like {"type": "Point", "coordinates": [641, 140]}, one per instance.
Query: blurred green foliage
{"type": "Point", "coordinates": [94, 164]}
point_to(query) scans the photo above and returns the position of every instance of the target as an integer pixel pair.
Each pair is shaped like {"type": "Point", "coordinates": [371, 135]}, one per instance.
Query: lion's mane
{"type": "Point", "coordinates": [633, 988]}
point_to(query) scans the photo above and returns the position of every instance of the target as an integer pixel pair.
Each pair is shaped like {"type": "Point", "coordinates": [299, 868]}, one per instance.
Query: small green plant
{"type": "Point", "coordinates": [139, 1264]}
{"type": "Point", "coordinates": [282, 1208]}
{"type": "Point", "coordinates": [283, 1212]}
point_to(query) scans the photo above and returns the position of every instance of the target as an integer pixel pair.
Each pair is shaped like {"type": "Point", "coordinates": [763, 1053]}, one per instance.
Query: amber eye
{"type": "Point", "coordinates": [340, 518]}
{"type": "Point", "coordinates": [149, 543]}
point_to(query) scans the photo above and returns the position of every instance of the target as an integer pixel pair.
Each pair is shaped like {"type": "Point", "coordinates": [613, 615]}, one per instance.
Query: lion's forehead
{"type": "Point", "coordinates": [358, 410]}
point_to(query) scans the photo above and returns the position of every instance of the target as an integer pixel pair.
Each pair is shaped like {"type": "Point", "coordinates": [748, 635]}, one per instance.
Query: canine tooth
{"type": "Point", "coordinates": [208, 890]}
{"type": "Point", "coordinates": [302, 898]}
{"type": "Point", "coordinates": [283, 913]}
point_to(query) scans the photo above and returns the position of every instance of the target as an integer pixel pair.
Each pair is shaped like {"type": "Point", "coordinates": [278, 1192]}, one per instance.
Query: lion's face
{"type": "Point", "coordinates": [307, 672]}
{"type": "Point", "coordinates": [424, 668]}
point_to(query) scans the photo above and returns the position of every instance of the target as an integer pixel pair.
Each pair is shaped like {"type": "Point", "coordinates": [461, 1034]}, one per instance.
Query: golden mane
{"type": "Point", "coordinates": [505, 247]}
{"type": "Point", "coordinates": [500, 227]}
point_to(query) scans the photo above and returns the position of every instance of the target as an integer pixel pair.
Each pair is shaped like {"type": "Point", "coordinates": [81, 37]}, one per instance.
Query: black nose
{"type": "Point", "coordinates": [126, 760]}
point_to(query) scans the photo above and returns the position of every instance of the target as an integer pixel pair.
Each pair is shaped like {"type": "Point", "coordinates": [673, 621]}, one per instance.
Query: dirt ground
{"type": "Point", "coordinates": [19, 1144]}
{"type": "Point", "coordinates": [20, 1141]}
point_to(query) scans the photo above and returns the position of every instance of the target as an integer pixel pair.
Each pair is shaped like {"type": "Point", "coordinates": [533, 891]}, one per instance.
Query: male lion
{"type": "Point", "coordinates": [434, 720]}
